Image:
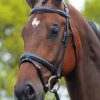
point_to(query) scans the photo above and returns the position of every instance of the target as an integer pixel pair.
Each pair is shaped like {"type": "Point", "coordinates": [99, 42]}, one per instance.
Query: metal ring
{"type": "Point", "coordinates": [49, 84]}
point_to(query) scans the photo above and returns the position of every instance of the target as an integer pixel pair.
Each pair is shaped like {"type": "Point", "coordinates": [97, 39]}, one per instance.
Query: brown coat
{"type": "Point", "coordinates": [84, 81]}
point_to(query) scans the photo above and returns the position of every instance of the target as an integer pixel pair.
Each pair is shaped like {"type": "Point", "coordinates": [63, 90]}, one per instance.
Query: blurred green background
{"type": "Point", "coordinates": [13, 16]}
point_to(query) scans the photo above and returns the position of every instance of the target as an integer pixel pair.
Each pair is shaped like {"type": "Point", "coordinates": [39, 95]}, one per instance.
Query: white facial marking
{"type": "Point", "coordinates": [35, 22]}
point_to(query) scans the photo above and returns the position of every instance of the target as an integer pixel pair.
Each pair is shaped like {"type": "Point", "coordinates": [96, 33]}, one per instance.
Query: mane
{"type": "Point", "coordinates": [95, 29]}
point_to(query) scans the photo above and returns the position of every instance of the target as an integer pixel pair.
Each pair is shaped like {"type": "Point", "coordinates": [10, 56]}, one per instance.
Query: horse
{"type": "Point", "coordinates": [58, 42]}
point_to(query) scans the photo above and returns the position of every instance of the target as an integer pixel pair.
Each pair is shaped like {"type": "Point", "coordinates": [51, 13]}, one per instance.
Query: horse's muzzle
{"type": "Point", "coordinates": [25, 93]}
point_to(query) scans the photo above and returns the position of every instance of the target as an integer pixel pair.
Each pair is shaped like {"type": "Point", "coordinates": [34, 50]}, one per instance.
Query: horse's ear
{"type": "Point", "coordinates": [57, 2]}
{"type": "Point", "coordinates": [31, 3]}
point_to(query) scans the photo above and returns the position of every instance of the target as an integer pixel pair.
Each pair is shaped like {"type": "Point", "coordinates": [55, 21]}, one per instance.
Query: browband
{"type": "Point", "coordinates": [49, 10]}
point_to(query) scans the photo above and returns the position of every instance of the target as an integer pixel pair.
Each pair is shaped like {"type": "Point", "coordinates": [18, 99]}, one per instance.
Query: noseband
{"type": "Point", "coordinates": [32, 58]}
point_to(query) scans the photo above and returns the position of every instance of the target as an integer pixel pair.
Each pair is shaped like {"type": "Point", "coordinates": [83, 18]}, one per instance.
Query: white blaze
{"type": "Point", "coordinates": [35, 22]}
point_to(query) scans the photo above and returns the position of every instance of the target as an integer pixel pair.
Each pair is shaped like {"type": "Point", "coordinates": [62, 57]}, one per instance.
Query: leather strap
{"type": "Point", "coordinates": [32, 57]}
{"type": "Point", "coordinates": [49, 10]}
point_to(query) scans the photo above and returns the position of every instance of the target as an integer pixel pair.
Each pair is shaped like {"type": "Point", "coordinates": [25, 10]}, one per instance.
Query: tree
{"type": "Point", "coordinates": [13, 15]}
{"type": "Point", "coordinates": [91, 10]}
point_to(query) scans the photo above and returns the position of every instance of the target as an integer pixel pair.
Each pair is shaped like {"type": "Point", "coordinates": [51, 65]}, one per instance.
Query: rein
{"type": "Point", "coordinates": [32, 58]}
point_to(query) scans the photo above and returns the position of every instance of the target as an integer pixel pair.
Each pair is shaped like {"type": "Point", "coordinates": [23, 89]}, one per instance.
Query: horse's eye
{"type": "Point", "coordinates": [54, 30]}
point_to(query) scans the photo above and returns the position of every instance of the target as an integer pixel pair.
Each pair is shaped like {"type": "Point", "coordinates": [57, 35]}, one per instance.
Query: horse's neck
{"type": "Point", "coordinates": [84, 82]}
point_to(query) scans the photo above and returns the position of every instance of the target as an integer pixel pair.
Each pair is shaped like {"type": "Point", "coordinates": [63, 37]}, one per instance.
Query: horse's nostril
{"type": "Point", "coordinates": [26, 92]}
{"type": "Point", "coordinates": [30, 92]}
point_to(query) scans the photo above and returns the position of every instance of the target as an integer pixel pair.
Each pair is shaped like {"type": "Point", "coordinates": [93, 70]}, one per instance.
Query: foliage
{"type": "Point", "coordinates": [91, 10]}
{"type": "Point", "coordinates": [13, 15]}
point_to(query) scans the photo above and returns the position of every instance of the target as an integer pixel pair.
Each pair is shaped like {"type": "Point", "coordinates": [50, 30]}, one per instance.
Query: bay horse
{"type": "Point", "coordinates": [58, 42]}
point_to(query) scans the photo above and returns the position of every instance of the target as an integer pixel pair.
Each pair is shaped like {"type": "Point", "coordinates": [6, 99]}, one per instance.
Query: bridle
{"type": "Point", "coordinates": [32, 58]}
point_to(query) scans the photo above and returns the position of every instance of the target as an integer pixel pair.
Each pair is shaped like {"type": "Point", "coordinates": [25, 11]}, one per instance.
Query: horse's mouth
{"type": "Point", "coordinates": [40, 98]}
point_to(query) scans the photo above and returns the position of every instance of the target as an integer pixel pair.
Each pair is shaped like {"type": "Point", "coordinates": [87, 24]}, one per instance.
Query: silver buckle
{"type": "Point", "coordinates": [55, 87]}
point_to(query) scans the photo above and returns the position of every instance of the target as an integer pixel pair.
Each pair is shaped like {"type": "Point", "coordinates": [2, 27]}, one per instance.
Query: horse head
{"type": "Point", "coordinates": [45, 36]}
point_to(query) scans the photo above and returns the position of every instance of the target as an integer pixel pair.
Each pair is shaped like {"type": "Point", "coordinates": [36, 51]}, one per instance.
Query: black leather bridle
{"type": "Point", "coordinates": [32, 58]}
